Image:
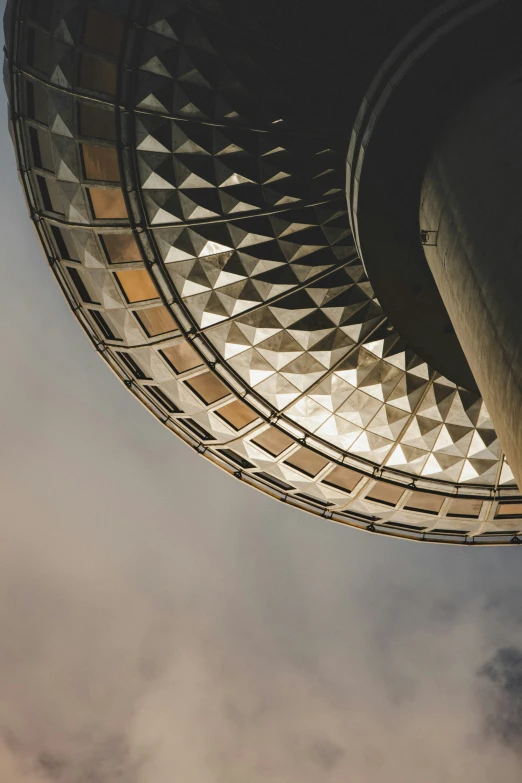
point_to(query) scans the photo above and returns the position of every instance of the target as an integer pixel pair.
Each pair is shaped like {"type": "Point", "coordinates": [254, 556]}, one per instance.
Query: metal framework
{"type": "Point", "coordinates": [203, 243]}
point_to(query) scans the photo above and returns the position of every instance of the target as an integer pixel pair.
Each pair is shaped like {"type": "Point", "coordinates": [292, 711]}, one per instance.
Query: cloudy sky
{"type": "Point", "coordinates": [159, 622]}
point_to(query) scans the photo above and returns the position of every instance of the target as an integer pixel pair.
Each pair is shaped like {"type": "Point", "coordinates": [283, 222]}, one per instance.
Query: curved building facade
{"type": "Point", "coordinates": [184, 164]}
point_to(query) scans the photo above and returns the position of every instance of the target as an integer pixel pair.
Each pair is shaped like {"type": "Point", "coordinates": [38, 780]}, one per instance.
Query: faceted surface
{"type": "Point", "coordinates": [203, 242]}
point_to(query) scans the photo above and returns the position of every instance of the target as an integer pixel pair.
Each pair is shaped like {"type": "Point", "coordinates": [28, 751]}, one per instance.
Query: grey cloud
{"type": "Point", "coordinates": [101, 760]}
{"type": "Point", "coordinates": [326, 754]}
{"type": "Point", "coordinates": [503, 700]}
{"type": "Point", "coordinates": [195, 668]}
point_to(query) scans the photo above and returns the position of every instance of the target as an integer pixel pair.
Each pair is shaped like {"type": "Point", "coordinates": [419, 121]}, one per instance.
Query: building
{"type": "Point", "coordinates": [277, 229]}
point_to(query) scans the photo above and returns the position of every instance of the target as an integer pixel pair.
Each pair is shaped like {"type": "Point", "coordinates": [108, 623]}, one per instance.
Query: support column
{"type": "Point", "coordinates": [471, 209]}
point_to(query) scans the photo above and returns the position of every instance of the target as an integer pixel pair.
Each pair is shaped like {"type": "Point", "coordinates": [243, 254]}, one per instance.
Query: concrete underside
{"type": "Point", "coordinates": [472, 198]}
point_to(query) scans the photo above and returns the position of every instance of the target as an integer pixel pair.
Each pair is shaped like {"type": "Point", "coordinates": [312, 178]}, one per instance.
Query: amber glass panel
{"type": "Point", "coordinates": [307, 461]}
{"type": "Point", "coordinates": [343, 478]}
{"type": "Point", "coordinates": [97, 75]}
{"type": "Point", "coordinates": [108, 204]}
{"type": "Point", "coordinates": [103, 32]}
{"type": "Point", "coordinates": [274, 441]}
{"type": "Point", "coordinates": [120, 248]}
{"type": "Point", "coordinates": [464, 507]}
{"type": "Point", "coordinates": [386, 493]}
{"type": "Point", "coordinates": [208, 387]}
{"type": "Point", "coordinates": [424, 501]}
{"type": "Point", "coordinates": [508, 510]}
{"type": "Point", "coordinates": [97, 122]}
{"type": "Point", "coordinates": [237, 414]}
{"type": "Point", "coordinates": [101, 163]}
{"type": "Point", "coordinates": [182, 357]}
{"type": "Point", "coordinates": [137, 285]}
{"type": "Point", "coordinates": [156, 320]}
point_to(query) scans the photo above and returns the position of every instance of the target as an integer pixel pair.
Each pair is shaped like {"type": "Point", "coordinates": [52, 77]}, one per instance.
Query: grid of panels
{"type": "Point", "coordinates": [204, 245]}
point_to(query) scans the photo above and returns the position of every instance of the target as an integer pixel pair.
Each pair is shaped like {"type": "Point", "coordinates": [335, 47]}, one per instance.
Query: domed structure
{"type": "Point", "coordinates": [184, 166]}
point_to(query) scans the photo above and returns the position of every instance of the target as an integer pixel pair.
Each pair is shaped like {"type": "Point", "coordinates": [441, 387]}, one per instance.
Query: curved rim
{"type": "Point", "coordinates": [441, 22]}
{"type": "Point", "coordinates": [405, 108]}
{"type": "Point", "coordinates": [141, 231]}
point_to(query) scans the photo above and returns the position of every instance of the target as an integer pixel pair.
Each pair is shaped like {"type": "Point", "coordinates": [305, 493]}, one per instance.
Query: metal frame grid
{"type": "Point", "coordinates": [310, 472]}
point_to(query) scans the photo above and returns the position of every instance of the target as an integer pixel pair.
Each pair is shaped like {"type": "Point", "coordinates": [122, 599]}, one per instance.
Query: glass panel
{"type": "Point", "coordinates": [80, 286]}
{"type": "Point", "coordinates": [274, 441]}
{"type": "Point", "coordinates": [41, 149]}
{"type": "Point", "coordinates": [102, 325]}
{"type": "Point", "coordinates": [51, 198]}
{"type": "Point", "coordinates": [37, 103]}
{"type": "Point", "coordinates": [237, 414]}
{"type": "Point", "coordinates": [310, 499]}
{"type": "Point", "coordinates": [120, 248]}
{"type": "Point", "coordinates": [97, 122]}
{"type": "Point", "coordinates": [307, 461]}
{"type": "Point", "coordinates": [163, 399]}
{"type": "Point", "coordinates": [196, 429]}
{"type": "Point", "coordinates": [208, 387]}
{"type": "Point", "coordinates": [55, 196]}
{"type": "Point", "coordinates": [237, 458]}
{"type": "Point", "coordinates": [508, 510]}
{"type": "Point", "coordinates": [103, 32]}
{"type": "Point", "coordinates": [132, 366]}
{"type": "Point", "coordinates": [343, 478]}
{"type": "Point", "coordinates": [137, 285]}
{"type": "Point", "coordinates": [156, 320]}
{"type": "Point", "coordinates": [38, 49]}
{"type": "Point", "coordinates": [100, 163]}
{"type": "Point", "coordinates": [108, 204]}
{"type": "Point", "coordinates": [41, 12]}
{"type": "Point", "coordinates": [386, 493]}
{"type": "Point", "coordinates": [275, 481]}
{"type": "Point", "coordinates": [182, 357]}
{"type": "Point", "coordinates": [65, 243]}
{"type": "Point", "coordinates": [97, 75]}
{"type": "Point", "coordinates": [46, 152]}
{"type": "Point", "coordinates": [464, 507]}
{"type": "Point", "coordinates": [424, 501]}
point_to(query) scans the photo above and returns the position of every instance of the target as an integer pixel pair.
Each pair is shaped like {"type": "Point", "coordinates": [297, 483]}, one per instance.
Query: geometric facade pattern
{"type": "Point", "coordinates": [203, 243]}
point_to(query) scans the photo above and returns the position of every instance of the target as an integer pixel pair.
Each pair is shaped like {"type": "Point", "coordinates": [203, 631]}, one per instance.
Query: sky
{"type": "Point", "coordinates": [160, 622]}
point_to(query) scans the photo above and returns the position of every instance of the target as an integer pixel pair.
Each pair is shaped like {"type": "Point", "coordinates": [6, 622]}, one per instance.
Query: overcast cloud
{"type": "Point", "coordinates": [159, 622]}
